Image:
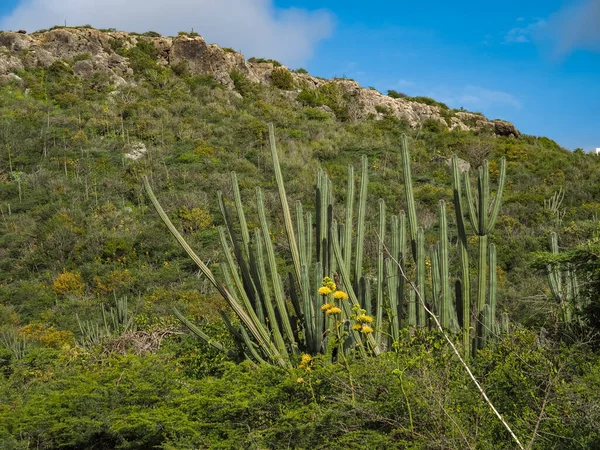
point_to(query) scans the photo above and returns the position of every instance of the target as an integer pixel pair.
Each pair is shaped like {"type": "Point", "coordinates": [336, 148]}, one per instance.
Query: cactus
{"type": "Point", "coordinates": [417, 242]}
{"type": "Point", "coordinates": [563, 283]}
{"type": "Point", "coordinates": [482, 216]}
{"type": "Point", "coordinates": [380, 271]}
{"type": "Point", "coordinates": [446, 307]}
{"type": "Point", "coordinates": [271, 332]}
{"type": "Point", "coordinates": [464, 286]}
{"type": "Point", "coordinates": [360, 228]}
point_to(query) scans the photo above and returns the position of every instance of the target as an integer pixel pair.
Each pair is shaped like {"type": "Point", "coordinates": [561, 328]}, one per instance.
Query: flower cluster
{"type": "Point", "coordinates": [330, 308]}
{"type": "Point", "coordinates": [363, 321]}
{"type": "Point", "coordinates": [330, 289]}
{"type": "Point", "coordinates": [305, 362]}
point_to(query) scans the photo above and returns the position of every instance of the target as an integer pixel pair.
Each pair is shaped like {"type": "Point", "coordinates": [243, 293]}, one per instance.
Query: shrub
{"type": "Point", "coordinates": [282, 79]}
{"type": "Point", "coordinates": [428, 101]}
{"type": "Point", "coordinates": [67, 282]}
{"type": "Point", "coordinates": [433, 126]}
{"type": "Point", "coordinates": [263, 60]}
{"type": "Point", "coordinates": [300, 70]}
{"type": "Point", "coordinates": [241, 83]}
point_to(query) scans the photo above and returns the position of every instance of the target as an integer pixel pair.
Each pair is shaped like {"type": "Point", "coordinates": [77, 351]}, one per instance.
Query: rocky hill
{"type": "Point", "coordinates": [89, 51]}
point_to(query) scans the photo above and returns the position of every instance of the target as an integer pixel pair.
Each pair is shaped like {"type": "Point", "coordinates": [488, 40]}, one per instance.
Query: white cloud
{"type": "Point", "coordinates": [256, 27]}
{"type": "Point", "coordinates": [576, 26]}
{"type": "Point", "coordinates": [521, 35]}
{"type": "Point", "coordinates": [474, 98]}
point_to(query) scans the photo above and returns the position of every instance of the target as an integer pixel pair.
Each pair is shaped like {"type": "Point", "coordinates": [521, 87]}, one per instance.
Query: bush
{"type": "Point", "coordinates": [428, 101]}
{"type": "Point", "coordinates": [282, 79]}
{"type": "Point", "coordinates": [396, 94]}
{"type": "Point", "coordinates": [241, 83]}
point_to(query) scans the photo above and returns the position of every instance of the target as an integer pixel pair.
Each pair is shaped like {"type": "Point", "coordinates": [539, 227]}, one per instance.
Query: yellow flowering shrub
{"type": "Point", "coordinates": [68, 282]}
{"type": "Point", "coordinates": [47, 336]}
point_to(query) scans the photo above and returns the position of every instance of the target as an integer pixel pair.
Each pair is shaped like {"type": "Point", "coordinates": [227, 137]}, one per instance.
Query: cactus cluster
{"type": "Point", "coordinates": [564, 285]}
{"type": "Point", "coordinates": [285, 312]}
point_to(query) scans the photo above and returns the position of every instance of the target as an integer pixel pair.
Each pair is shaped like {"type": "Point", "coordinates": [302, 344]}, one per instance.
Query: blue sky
{"type": "Point", "coordinates": [534, 63]}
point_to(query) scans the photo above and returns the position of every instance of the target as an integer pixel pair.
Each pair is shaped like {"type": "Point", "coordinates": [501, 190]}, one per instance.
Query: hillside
{"type": "Point", "coordinates": [86, 114]}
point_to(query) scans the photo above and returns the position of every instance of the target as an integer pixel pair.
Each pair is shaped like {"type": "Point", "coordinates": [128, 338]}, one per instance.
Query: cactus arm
{"type": "Point", "coordinates": [491, 325]}
{"type": "Point", "coordinates": [238, 309]}
{"type": "Point", "coordinates": [362, 209]}
{"type": "Point", "coordinates": [465, 284]}
{"type": "Point", "coordinates": [484, 196]}
{"type": "Point", "coordinates": [445, 300]}
{"type": "Point", "coordinates": [303, 251]}
{"type": "Point", "coordinates": [240, 212]}
{"type": "Point", "coordinates": [422, 318]}
{"type": "Point", "coordinates": [498, 198]}
{"type": "Point", "coordinates": [410, 198]}
{"type": "Point", "coordinates": [277, 289]}
{"type": "Point", "coordinates": [352, 297]}
{"type": "Point", "coordinates": [262, 274]}
{"type": "Point", "coordinates": [380, 272]}
{"type": "Point", "coordinates": [473, 216]}
{"type": "Point", "coordinates": [289, 228]}
{"type": "Point", "coordinates": [349, 219]}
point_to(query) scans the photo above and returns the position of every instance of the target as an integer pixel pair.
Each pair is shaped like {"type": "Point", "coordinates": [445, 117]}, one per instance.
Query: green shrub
{"type": "Point", "coordinates": [396, 94]}
{"type": "Point", "coordinates": [428, 101]}
{"type": "Point", "coordinates": [263, 60]}
{"type": "Point", "coordinates": [241, 83]}
{"type": "Point", "coordinates": [282, 79]}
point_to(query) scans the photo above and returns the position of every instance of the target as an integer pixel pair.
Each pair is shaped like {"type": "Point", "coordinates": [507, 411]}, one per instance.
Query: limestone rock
{"type": "Point", "coordinates": [20, 51]}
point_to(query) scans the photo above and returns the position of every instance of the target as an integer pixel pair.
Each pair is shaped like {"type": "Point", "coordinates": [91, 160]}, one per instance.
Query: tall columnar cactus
{"type": "Point", "coordinates": [446, 306]}
{"type": "Point", "coordinates": [417, 239]}
{"type": "Point", "coordinates": [275, 331]}
{"type": "Point", "coordinates": [482, 216]}
{"type": "Point", "coordinates": [380, 271]}
{"type": "Point", "coordinates": [463, 288]}
{"type": "Point", "coordinates": [563, 282]}
{"type": "Point", "coordinates": [360, 226]}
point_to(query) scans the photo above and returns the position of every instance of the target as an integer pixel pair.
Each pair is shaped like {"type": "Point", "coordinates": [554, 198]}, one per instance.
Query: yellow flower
{"type": "Point", "coordinates": [334, 310]}
{"type": "Point", "coordinates": [356, 326]}
{"type": "Point", "coordinates": [328, 282]}
{"type": "Point", "coordinates": [340, 295]}
{"type": "Point", "coordinates": [300, 380]}
{"type": "Point", "coordinates": [326, 306]}
{"type": "Point", "coordinates": [363, 318]}
{"type": "Point", "coordinates": [366, 329]}
{"type": "Point", "coordinates": [324, 290]}
{"type": "Point", "coordinates": [306, 358]}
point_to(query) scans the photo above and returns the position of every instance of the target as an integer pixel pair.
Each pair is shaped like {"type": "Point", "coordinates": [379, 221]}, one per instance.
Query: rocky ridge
{"type": "Point", "coordinates": [90, 50]}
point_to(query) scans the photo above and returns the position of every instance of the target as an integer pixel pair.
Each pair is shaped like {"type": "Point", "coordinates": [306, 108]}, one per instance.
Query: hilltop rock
{"type": "Point", "coordinates": [88, 51]}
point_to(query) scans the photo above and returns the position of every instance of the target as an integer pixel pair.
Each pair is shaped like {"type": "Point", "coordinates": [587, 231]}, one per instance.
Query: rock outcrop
{"type": "Point", "coordinates": [89, 51]}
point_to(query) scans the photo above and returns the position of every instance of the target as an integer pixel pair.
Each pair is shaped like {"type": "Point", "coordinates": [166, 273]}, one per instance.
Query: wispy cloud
{"type": "Point", "coordinates": [475, 98]}
{"type": "Point", "coordinates": [521, 35]}
{"type": "Point", "coordinates": [575, 27]}
{"type": "Point", "coordinates": [256, 27]}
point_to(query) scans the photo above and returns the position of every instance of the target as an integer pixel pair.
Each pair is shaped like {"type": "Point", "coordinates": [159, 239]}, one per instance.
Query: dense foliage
{"type": "Point", "coordinates": [77, 234]}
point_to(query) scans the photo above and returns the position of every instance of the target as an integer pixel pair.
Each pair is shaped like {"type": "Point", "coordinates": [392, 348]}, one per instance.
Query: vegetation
{"type": "Point", "coordinates": [94, 293]}
{"type": "Point", "coordinates": [282, 78]}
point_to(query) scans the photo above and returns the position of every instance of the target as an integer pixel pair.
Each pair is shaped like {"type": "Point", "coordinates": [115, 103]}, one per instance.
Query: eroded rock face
{"type": "Point", "coordinates": [94, 51]}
